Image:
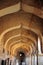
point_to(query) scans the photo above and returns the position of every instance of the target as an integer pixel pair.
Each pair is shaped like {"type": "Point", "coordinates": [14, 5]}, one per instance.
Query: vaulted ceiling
{"type": "Point", "coordinates": [21, 23]}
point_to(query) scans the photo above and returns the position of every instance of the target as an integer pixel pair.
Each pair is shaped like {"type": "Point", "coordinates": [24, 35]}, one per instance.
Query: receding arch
{"type": "Point", "coordinates": [31, 44]}
{"type": "Point", "coordinates": [13, 49]}
{"type": "Point", "coordinates": [16, 27]}
{"type": "Point", "coordinates": [7, 48]}
{"type": "Point", "coordinates": [19, 35]}
{"type": "Point", "coordinates": [11, 38]}
{"type": "Point", "coordinates": [7, 30]}
{"type": "Point", "coordinates": [23, 42]}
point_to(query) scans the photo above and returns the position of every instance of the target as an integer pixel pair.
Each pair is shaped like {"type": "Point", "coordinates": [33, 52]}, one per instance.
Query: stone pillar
{"type": "Point", "coordinates": [35, 60]}
{"type": "Point", "coordinates": [39, 46]}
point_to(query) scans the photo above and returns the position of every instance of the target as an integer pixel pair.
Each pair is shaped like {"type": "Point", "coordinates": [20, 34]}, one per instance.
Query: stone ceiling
{"type": "Point", "coordinates": [35, 3]}
{"type": "Point", "coordinates": [23, 25]}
